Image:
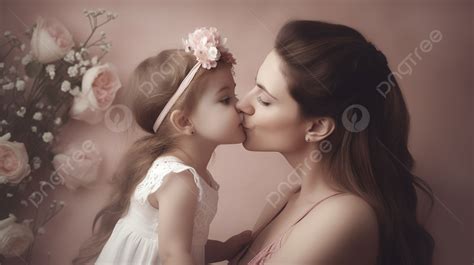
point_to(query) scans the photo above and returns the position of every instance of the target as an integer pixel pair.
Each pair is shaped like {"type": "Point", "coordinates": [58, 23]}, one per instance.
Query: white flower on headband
{"type": "Point", "coordinates": [208, 47]}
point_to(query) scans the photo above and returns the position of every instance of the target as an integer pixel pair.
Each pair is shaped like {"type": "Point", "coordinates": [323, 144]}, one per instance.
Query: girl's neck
{"type": "Point", "coordinates": [194, 153]}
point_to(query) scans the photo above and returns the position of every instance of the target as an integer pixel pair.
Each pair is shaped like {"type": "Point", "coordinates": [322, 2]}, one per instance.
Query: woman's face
{"type": "Point", "coordinates": [272, 120]}
{"type": "Point", "coordinates": [216, 118]}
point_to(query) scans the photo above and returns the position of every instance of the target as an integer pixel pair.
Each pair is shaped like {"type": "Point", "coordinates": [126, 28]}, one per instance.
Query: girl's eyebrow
{"type": "Point", "coordinates": [264, 89]}
{"type": "Point", "coordinates": [224, 88]}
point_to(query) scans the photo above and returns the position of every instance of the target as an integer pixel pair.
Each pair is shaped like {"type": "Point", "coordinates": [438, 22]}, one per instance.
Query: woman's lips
{"type": "Point", "coordinates": [245, 127]}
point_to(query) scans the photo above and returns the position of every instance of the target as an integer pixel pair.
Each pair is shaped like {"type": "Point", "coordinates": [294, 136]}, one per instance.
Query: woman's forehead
{"type": "Point", "coordinates": [271, 76]}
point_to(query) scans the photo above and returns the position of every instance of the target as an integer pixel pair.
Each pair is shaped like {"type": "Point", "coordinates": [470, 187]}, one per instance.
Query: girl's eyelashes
{"type": "Point", "coordinates": [227, 99]}
{"type": "Point", "coordinates": [264, 103]}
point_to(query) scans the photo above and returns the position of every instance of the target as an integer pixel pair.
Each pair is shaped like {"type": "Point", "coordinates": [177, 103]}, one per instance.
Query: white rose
{"type": "Point", "coordinates": [14, 238]}
{"type": "Point", "coordinates": [78, 165]}
{"type": "Point", "coordinates": [50, 40]}
{"type": "Point", "coordinates": [99, 87]}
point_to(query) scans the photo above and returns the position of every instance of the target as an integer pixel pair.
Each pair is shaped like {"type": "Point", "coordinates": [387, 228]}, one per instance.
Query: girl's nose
{"type": "Point", "coordinates": [244, 105]}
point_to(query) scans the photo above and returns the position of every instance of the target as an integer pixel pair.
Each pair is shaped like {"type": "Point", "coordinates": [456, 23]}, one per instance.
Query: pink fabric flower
{"type": "Point", "coordinates": [208, 46]}
{"type": "Point", "coordinates": [50, 40]}
{"type": "Point", "coordinates": [99, 87]}
{"type": "Point", "coordinates": [14, 165]}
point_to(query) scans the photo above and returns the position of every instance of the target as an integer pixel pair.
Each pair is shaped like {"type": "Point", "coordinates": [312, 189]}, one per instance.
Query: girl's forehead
{"type": "Point", "coordinates": [221, 77]}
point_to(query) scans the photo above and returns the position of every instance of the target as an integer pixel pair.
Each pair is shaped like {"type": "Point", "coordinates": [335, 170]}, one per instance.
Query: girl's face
{"type": "Point", "coordinates": [272, 121]}
{"type": "Point", "coordinates": [215, 117]}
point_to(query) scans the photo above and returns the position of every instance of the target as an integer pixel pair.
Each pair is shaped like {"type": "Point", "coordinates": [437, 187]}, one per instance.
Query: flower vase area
{"type": "Point", "coordinates": [48, 78]}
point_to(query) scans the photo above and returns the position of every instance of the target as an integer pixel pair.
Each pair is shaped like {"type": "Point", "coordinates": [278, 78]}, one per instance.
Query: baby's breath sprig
{"type": "Point", "coordinates": [13, 42]}
{"type": "Point", "coordinates": [97, 20]}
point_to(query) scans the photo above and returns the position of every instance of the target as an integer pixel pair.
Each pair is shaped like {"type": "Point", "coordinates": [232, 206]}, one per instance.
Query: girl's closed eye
{"type": "Point", "coordinates": [227, 99]}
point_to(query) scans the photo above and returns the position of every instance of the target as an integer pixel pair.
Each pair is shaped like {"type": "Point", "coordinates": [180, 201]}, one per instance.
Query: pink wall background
{"type": "Point", "coordinates": [438, 93]}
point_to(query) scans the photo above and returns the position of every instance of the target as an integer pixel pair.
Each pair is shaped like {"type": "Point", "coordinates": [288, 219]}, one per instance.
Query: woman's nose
{"type": "Point", "coordinates": [244, 105]}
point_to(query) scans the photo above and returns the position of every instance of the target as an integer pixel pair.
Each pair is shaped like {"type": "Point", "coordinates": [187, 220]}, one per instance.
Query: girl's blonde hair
{"type": "Point", "coordinates": [152, 84]}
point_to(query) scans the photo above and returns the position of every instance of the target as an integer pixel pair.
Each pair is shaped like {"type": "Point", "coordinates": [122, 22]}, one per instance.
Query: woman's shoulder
{"type": "Point", "coordinates": [346, 205]}
{"type": "Point", "coordinates": [341, 229]}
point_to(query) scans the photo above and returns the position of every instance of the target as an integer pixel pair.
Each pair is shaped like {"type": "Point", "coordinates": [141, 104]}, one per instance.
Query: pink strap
{"type": "Point", "coordinates": [182, 87]}
{"type": "Point", "coordinates": [271, 248]}
{"type": "Point", "coordinates": [307, 212]}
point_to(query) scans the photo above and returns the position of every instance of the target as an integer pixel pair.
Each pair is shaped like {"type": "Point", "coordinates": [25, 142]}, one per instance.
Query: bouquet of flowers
{"type": "Point", "coordinates": [41, 88]}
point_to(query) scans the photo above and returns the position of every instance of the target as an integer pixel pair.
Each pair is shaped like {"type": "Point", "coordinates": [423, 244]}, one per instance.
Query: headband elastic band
{"type": "Point", "coordinates": [182, 87]}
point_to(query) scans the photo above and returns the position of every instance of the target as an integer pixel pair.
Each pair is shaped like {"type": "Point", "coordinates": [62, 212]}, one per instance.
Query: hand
{"type": "Point", "coordinates": [235, 243]}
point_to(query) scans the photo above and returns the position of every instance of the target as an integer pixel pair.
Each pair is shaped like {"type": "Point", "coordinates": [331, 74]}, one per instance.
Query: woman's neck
{"type": "Point", "coordinates": [308, 165]}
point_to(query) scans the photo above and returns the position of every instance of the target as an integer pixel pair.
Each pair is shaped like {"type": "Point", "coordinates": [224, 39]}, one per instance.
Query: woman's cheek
{"type": "Point", "coordinates": [278, 130]}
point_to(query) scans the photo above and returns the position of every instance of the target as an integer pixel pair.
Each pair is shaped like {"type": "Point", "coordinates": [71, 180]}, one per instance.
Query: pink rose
{"type": "Point", "coordinates": [78, 165]}
{"type": "Point", "coordinates": [50, 41]}
{"type": "Point", "coordinates": [99, 87]}
{"type": "Point", "coordinates": [13, 161]}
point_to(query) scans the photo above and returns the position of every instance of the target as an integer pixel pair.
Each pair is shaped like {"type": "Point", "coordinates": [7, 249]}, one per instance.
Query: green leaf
{"type": "Point", "coordinates": [33, 69]}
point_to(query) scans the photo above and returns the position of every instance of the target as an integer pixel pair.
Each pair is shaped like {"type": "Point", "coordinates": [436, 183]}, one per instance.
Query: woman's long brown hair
{"type": "Point", "coordinates": [152, 84]}
{"type": "Point", "coordinates": [330, 68]}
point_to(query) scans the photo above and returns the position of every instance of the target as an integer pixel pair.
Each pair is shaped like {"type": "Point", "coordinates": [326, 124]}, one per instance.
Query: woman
{"type": "Point", "coordinates": [318, 100]}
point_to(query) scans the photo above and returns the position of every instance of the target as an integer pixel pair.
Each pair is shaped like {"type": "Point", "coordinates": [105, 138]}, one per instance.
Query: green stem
{"type": "Point", "coordinates": [8, 53]}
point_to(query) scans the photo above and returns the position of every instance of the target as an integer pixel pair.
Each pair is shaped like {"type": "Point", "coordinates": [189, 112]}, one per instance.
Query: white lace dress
{"type": "Point", "coordinates": [134, 240]}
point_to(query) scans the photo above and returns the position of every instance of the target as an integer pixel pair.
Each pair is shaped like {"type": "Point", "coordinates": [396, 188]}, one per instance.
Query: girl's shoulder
{"type": "Point", "coordinates": [170, 163]}
{"type": "Point", "coordinates": [163, 169]}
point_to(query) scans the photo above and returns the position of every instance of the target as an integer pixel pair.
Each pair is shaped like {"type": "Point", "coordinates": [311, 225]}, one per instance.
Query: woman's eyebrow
{"type": "Point", "coordinates": [264, 89]}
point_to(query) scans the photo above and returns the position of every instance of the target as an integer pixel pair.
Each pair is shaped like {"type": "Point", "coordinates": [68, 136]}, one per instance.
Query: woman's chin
{"type": "Point", "coordinates": [248, 145]}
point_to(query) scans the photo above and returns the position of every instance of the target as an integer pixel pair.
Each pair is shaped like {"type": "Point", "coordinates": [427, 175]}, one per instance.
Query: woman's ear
{"type": "Point", "coordinates": [181, 122]}
{"type": "Point", "coordinates": [319, 128]}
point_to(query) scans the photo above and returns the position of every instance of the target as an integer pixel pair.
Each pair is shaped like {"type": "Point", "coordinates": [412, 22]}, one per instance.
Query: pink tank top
{"type": "Point", "coordinates": [264, 254]}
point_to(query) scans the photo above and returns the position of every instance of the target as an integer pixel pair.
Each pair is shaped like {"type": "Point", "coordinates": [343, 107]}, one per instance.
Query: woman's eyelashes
{"type": "Point", "coordinates": [263, 102]}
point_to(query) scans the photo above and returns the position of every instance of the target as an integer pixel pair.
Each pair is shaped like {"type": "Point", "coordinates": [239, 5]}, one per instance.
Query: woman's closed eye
{"type": "Point", "coordinates": [263, 102]}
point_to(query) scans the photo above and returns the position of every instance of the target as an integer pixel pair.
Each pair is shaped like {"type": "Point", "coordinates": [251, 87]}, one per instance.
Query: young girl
{"type": "Point", "coordinates": [165, 198]}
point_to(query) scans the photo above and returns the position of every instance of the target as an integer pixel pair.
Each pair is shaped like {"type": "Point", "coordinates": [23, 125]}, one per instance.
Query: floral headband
{"type": "Point", "coordinates": [209, 48]}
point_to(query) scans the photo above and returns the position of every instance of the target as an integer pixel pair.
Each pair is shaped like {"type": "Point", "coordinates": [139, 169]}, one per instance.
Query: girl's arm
{"type": "Point", "coordinates": [177, 200]}
{"type": "Point", "coordinates": [218, 251]}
